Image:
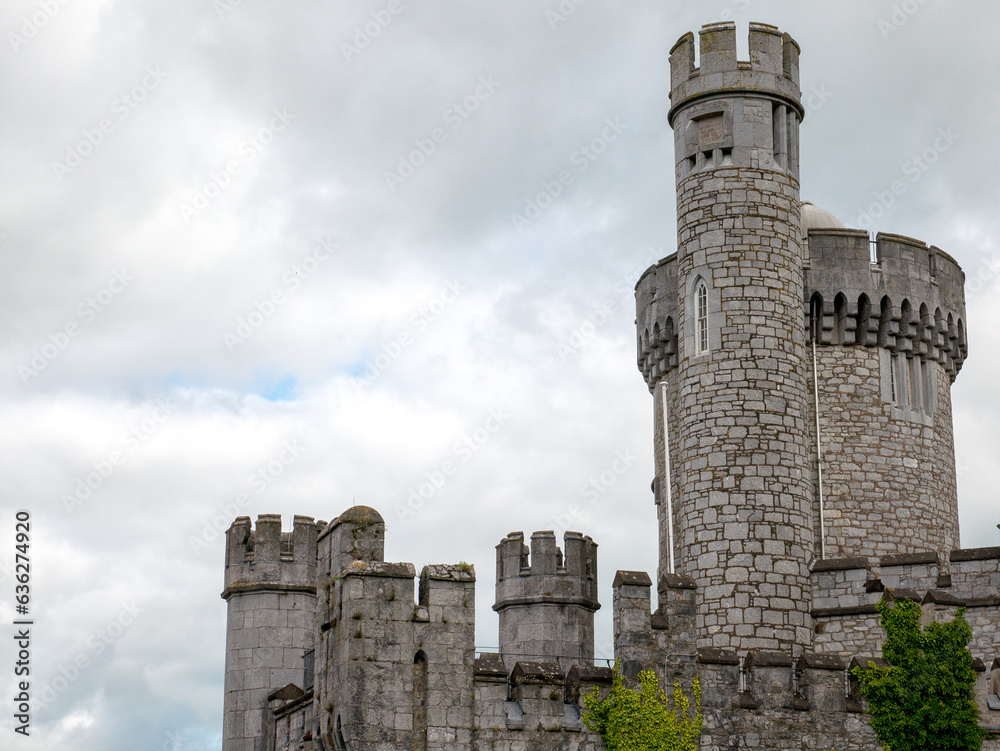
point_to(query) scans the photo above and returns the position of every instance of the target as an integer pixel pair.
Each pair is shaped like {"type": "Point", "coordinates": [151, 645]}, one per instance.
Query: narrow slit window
{"type": "Point", "coordinates": [701, 318]}
{"type": "Point", "coordinates": [892, 379]}
{"type": "Point", "coordinates": [907, 385]}
{"type": "Point", "coordinates": [916, 385]}
{"type": "Point", "coordinates": [926, 376]}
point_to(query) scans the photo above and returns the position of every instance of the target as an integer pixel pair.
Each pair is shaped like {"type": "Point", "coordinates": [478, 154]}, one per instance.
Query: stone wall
{"type": "Point", "coordinates": [889, 487]}
{"type": "Point", "coordinates": [845, 592]}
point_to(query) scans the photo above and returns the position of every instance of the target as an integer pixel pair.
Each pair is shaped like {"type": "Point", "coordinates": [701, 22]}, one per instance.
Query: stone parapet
{"type": "Point", "coordinates": [263, 558]}
{"type": "Point", "coordinates": [900, 293]}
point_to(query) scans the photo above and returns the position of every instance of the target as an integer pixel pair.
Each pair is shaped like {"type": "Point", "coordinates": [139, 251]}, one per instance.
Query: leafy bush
{"type": "Point", "coordinates": [643, 719]}
{"type": "Point", "coordinates": [924, 700]}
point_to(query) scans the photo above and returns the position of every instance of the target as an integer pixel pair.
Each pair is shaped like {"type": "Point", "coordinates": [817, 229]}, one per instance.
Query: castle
{"type": "Point", "coordinates": [801, 377]}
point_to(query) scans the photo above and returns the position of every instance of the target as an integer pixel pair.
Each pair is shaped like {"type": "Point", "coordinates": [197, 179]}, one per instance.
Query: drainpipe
{"type": "Point", "coordinates": [666, 464]}
{"type": "Point", "coordinates": [819, 456]}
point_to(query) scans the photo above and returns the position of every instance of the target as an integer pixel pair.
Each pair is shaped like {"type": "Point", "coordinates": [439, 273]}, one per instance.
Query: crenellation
{"type": "Point", "coordinates": [909, 300]}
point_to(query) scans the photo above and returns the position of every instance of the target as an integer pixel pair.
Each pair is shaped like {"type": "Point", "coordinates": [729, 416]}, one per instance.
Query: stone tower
{"type": "Point", "coordinates": [723, 348]}
{"type": "Point", "coordinates": [887, 318]}
{"type": "Point", "coordinates": [547, 602]}
{"type": "Point", "coordinates": [271, 600]}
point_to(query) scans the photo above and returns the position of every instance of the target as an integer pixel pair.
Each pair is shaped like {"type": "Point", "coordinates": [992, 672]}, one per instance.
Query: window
{"type": "Point", "coordinates": [893, 395]}
{"type": "Point", "coordinates": [908, 386]}
{"type": "Point", "coordinates": [916, 384]}
{"type": "Point", "coordinates": [701, 318]}
{"type": "Point", "coordinates": [901, 384]}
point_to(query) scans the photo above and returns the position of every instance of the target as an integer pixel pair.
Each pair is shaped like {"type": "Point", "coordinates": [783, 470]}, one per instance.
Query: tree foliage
{"type": "Point", "coordinates": [924, 700]}
{"type": "Point", "coordinates": [644, 719]}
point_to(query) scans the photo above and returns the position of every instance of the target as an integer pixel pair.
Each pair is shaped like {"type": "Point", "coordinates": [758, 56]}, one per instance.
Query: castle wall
{"type": "Point", "coordinates": [658, 341]}
{"type": "Point", "coordinates": [975, 575]}
{"type": "Point", "coordinates": [845, 592]}
{"type": "Point", "coordinates": [399, 671]}
{"type": "Point", "coordinates": [266, 636]}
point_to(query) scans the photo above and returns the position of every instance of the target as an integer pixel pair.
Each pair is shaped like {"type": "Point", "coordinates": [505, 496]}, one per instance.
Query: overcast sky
{"type": "Point", "coordinates": [222, 250]}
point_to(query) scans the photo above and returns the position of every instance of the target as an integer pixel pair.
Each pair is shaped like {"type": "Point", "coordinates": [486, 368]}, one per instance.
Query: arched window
{"type": "Point", "coordinates": [816, 318]}
{"type": "Point", "coordinates": [863, 321]}
{"type": "Point", "coordinates": [840, 332]}
{"type": "Point", "coordinates": [701, 318]}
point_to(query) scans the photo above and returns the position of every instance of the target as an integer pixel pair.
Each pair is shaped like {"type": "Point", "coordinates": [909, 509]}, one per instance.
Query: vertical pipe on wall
{"type": "Point", "coordinates": [819, 456]}
{"type": "Point", "coordinates": [666, 478]}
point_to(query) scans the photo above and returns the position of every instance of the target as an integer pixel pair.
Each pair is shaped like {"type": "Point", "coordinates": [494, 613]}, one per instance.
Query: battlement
{"type": "Point", "coordinates": [263, 558]}
{"type": "Point", "coordinates": [544, 574]}
{"type": "Point", "coordinates": [897, 292]}
{"type": "Point", "coordinates": [773, 68]}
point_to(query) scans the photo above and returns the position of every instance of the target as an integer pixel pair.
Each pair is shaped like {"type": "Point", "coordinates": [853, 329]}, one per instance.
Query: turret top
{"type": "Point", "coordinates": [773, 68]}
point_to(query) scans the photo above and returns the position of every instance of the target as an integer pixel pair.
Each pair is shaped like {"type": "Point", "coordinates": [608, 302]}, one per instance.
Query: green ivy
{"type": "Point", "coordinates": [924, 700]}
{"type": "Point", "coordinates": [643, 719]}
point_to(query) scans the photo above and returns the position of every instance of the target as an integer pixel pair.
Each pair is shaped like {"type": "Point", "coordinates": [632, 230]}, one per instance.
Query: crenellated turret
{"type": "Point", "coordinates": [270, 591]}
{"type": "Point", "coordinates": [730, 113]}
{"type": "Point", "coordinates": [546, 600]}
{"type": "Point", "coordinates": [266, 559]}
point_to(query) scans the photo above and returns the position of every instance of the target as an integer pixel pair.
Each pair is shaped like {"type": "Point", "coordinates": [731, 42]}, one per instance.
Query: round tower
{"type": "Point", "coordinates": [271, 596]}
{"type": "Point", "coordinates": [888, 321]}
{"type": "Point", "coordinates": [722, 345]}
{"type": "Point", "coordinates": [547, 601]}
